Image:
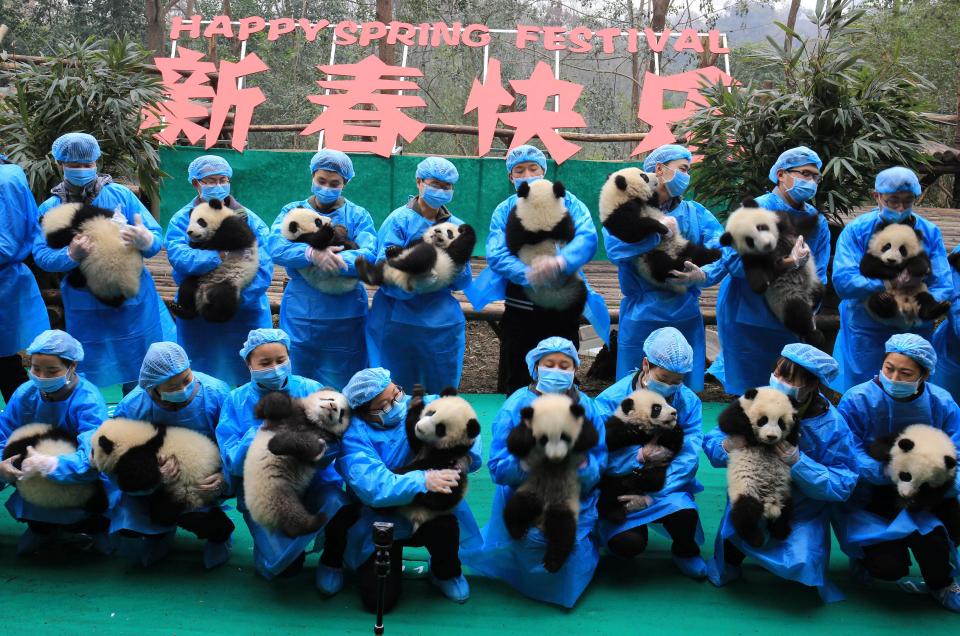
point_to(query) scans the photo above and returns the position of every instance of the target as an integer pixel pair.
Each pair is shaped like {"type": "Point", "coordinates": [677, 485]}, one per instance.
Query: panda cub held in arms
{"type": "Point", "coordinates": [428, 264]}
{"type": "Point", "coordinates": [643, 417]}
{"type": "Point", "coordinates": [41, 491]}
{"type": "Point", "coordinates": [552, 439]}
{"type": "Point", "coordinates": [763, 239]}
{"type": "Point", "coordinates": [758, 482]}
{"type": "Point", "coordinates": [892, 250]}
{"type": "Point", "coordinates": [630, 211]}
{"type": "Point", "coordinates": [285, 454]}
{"type": "Point", "coordinates": [537, 227]}
{"type": "Point", "coordinates": [112, 270]}
{"type": "Point", "coordinates": [921, 461]}
{"type": "Point", "coordinates": [303, 225]}
{"type": "Point", "coordinates": [215, 296]}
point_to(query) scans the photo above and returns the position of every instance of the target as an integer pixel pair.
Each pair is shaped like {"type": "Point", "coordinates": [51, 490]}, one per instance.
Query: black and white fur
{"type": "Point", "coordinates": [538, 226]}
{"type": "Point", "coordinates": [892, 249]}
{"type": "Point", "coordinates": [758, 482]}
{"type": "Point", "coordinates": [41, 491]}
{"type": "Point", "coordinates": [763, 238]}
{"type": "Point", "coordinates": [553, 438]}
{"type": "Point", "coordinates": [112, 270]}
{"type": "Point", "coordinates": [215, 296]}
{"type": "Point", "coordinates": [303, 225]}
{"type": "Point", "coordinates": [922, 463]}
{"type": "Point", "coordinates": [630, 210]}
{"type": "Point", "coordinates": [285, 454]}
{"type": "Point", "coordinates": [643, 417]}
{"type": "Point", "coordinates": [428, 264]}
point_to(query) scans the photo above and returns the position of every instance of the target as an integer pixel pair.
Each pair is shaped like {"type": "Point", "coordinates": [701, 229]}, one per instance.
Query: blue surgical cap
{"type": "Point", "coordinates": [665, 154]}
{"type": "Point", "coordinates": [365, 385]}
{"type": "Point", "coordinates": [799, 156]}
{"type": "Point", "coordinates": [334, 161]}
{"type": "Point", "coordinates": [208, 165]}
{"type": "Point", "coordinates": [438, 168]}
{"type": "Point", "coordinates": [58, 343]}
{"type": "Point", "coordinates": [668, 349]}
{"type": "Point", "coordinates": [554, 344]}
{"type": "Point", "coordinates": [76, 147]}
{"type": "Point", "coordinates": [813, 360]}
{"type": "Point", "coordinates": [898, 179]}
{"type": "Point", "coordinates": [258, 337]}
{"type": "Point", "coordinates": [163, 361]}
{"type": "Point", "coordinates": [915, 348]}
{"type": "Point", "coordinates": [522, 154]}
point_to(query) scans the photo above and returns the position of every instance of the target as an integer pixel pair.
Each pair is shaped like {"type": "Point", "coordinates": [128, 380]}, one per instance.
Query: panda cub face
{"type": "Point", "coordinates": [447, 422]}
{"type": "Point", "coordinates": [752, 230]}
{"type": "Point", "coordinates": [114, 437]}
{"type": "Point", "coordinates": [895, 244]}
{"type": "Point", "coordinates": [206, 218]}
{"type": "Point", "coordinates": [441, 235]}
{"type": "Point", "coordinates": [540, 205]}
{"type": "Point", "coordinates": [300, 221]}
{"type": "Point", "coordinates": [329, 410]}
{"type": "Point", "coordinates": [771, 414]}
{"type": "Point", "coordinates": [922, 455]}
{"type": "Point", "coordinates": [556, 422]}
{"type": "Point", "coordinates": [647, 410]}
{"type": "Point", "coordinates": [627, 184]}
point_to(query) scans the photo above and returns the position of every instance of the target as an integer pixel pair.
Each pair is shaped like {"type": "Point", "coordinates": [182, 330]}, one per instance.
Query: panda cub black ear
{"type": "Point", "coordinates": [473, 428]}
{"type": "Point", "coordinates": [577, 409]}
{"type": "Point", "coordinates": [449, 391]}
{"type": "Point", "coordinates": [919, 235]}
{"type": "Point", "coordinates": [645, 177]}
{"type": "Point", "coordinates": [949, 462]}
{"type": "Point", "coordinates": [621, 182]}
{"type": "Point", "coordinates": [106, 444]}
{"type": "Point", "coordinates": [216, 204]}
{"type": "Point", "coordinates": [627, 406]}
{"type": "Point", "coordinates": [524, 190]}
{"type": "Point", "coordinates": [558, 190]}
{"type": "Point", "coordinates": [751, 394]}
{"type": "Point", "coordinates": [906, 445]}
{"type": "Point", "coordinates": [293, 226]}
{"type": "Point", "coordinates": [726, 239]}
{"type": "Point", "coordinates": [526, 413]}
{"type": "Point", "coordinates": [749, 202]}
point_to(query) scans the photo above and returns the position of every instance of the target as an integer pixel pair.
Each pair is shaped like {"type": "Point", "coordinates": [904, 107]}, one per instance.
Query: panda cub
{"type": "Point", "coordinates": [303, 225]}
{"type": "Point", "coordinates": [892, 249]}
{"type": "Point", "coordinates": [758, 483]}
{"type": "Point", "coordinates": [112, 270]}
{"type": "Point", "coordinates": [215, 296]}
{"type": "Point", "coordinates": [538, 226]}
{"type": "Point", "coordinates": [130, 452]}
{"type": "Point", "coordinates": [763, 239]}
{"type": "Point", "coordinates": [644, 416]}
{"type": "Point", "coordinates": [428, 264]}
{"type": "Point", "coordinates": [922, 463]}
{"type": "Point", "coordinates": [440, 435]}
{"type": "Point", "coordinates": [46, 493]}
{"type": "Point", "coordinates": [630, 210]}
{"type": "Point", "coordinates": [552, 438]}
{"type": "Point", "coordinates": [285, 454]}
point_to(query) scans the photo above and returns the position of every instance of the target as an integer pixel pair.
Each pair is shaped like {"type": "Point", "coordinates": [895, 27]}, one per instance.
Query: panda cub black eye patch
{"type": "Point", "coordinates": [202, 222]}
{"type": "Point", "coordinates": [543, 440]}
{"type": "Point", "coordinates": [763, 420]}
{"type": "Point", "coordinates": [763, 228]}
{"type": "Point", "coordinates": [903, 251]}
{"type": "Point", "coordinates": [750, 242]}
{"type": "Point", "coordinates": [905, 476]}
{"type": "Point", "coordinates": [655, 411]}
{"type": "Point", "coordinates": [564, 437]}
{"type": "Point", "coordinates": [886, 247]}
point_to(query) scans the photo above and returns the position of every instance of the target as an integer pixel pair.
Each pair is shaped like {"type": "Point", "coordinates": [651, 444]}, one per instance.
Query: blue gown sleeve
{"type": "Point", "coordinates": [132, 206]}
{"type": "Point", "coordinates": [499, 258]}
{"type": "Point", "coordinates": [940, 280]}
{"type": "Point", "coordinates": [10, 418]}
{"type": "Point", "coordinates": [620, 252]}
{"type": "Point", "coordinates": [853, 410]}
{"type": "Point", "coordinates": [75, 467]}
{"type": "Point", "coordinates": [463, 280]}
{"type": "Point", "coordinates": [365, 236]}
{"type": "Point", "coordinates": [682, 471]}
{"type": "Point", "coordinates": [847, 280]}
{"type": "Point", "coordinates": [820, 249]}
{"type": "Point", "coordinates": [369, 477]}
{"type": "Point", "coordinates": [710, 228]}
{"type": "Point", "coordinates": [393, 233]}
{"type": "Point", "coordinates": [17, 208]}
{"type": "Point", "coordinates": [503, 465]}
{"type": "Point", "coordinates": [581, 249]}
{"type": "Point", "coordinates": [283, 252]}
{"type": "Point", "coordinates": [185, 259]}
{"type": "Point", "coordinates": [713, 448]}
{"type": "Point", "coordinates": [834, 477]}
{"type": "Point", "coordinates": [234, 437]}
{"type": "Point", "coordinates": [47, 258]}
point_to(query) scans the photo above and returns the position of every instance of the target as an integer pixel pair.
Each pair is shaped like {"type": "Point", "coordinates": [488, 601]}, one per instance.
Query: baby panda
{"type": "Point", "coordinates": [537, 226]}
{"type": "Point", "coordinates": [112, 270]}
{"type": "Point", "coordinates": [762, 239]}
{"type": "Point", "coordinates": [303, 225]}
{"type": "Point", "coordinates": [758, 483]}
{"type": "Point", "coordinates": [643, 417]}
{"type": "Point", "coordinates": [41, 491]}
{"type": "Point", "coordinates": [440, 435]}
{"type": "Point", "coordinates": [552, 438]}
{"type": "Point", "coordinates": [215, 296]}
{"type": "Point", "coordinates": [285, 454]}
{"type": "Point", "coordinates": [630, 210]}
{"type": "Point", "coordinates": [922, 463]}
{"type": "Point", "coordinates": [892, 249]}
{"type": "Point", "coordinates": [131, 451]}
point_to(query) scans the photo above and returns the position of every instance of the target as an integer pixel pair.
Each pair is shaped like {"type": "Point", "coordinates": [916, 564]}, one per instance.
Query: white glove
{"type": "Point", "coordinates": [671, 224]}
{"type": "Point", "coordinates": [79, 248]}
{"type": "Point", "coordinates": [787, 453]}
{"type": "Point", "coordinates": [653, 453]}
{"type": "Point", "coordinates": [38, 463]}
{"type": "Point", "coordinates": [632, 503]}
{"type": "Point", "coordinates": [800, 253]}
{"type": "Point", "coordinates": [691, 274]}
{"type": "Point", "coordinates": [545, 270]}
{"type": "Point", "coordinates": [328, 260]}
{"type": "Point", "coordinates": [137, 235]}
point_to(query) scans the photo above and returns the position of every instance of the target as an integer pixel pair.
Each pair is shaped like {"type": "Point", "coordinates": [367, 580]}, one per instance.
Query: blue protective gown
{"type": "Point", "coordinates": [645, 307]}
{"type": "Point", "coordinates": [79, 411]}
{"type": "Point", "coordinates": [860, 344]}
{"type": "Point", "coordinates": [24, 315]}
{"type": "Point", "coordinates": [419, 337]}
{"type": "Point", "coordinates": [825, 474]}
{"type": "Point", "coordinates": [213, 346]}
{"type": "Point", "coordinates": [273, 552]}
{"type": "Point", "coordinates": [371, 452]}
{"type": "Point", "coordinates": [871, 413]}
{"type": "Point", "coordinates": [114, 340]}
{"type": "Point", "coordinates": [326, 330]}
{"type": "Point", "coordinates": [520, 563]}
{"type": "Point", "coordinates": [201, 414]}
{"type": "Point", "coordinates": [946, 340]}
{"type": "Point", "coordinates": [681, 484]}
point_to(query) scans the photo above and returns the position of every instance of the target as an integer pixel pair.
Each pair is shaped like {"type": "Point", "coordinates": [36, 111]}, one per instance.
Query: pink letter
{"type": "Point", "coordinates": [526, 34]}
{"type": "Point", "coordinates": [606, 36]}
{"type": "Point", "coordinates": [656, 45]}
{"type": "Point", "coordinates": [688, 41]}
{"type": "Point", "coordinates": [553, 38]}
{"type": "Point", "coordinates": [249, 26]}
{"type": "Point", "coordinates": [714, 42]}
{"type": "Point", "coordinates": [280, 26]}
{"type": "Point", "coordinates": [371, 32]}
{"type": "Point", "coordinates": [343, 33]}
{"type": "Point", "coordinates": [482, 38]}
{"type": "Point", "coordinates": [192, 28]}
{"type": "Point", "coordinates": [310, 31]}
{"type": "Point", "coordinates": [580, 38]}
{"type": "Point", "coordinates": [401, 32]}
{"type": "Point", "coordinates": [220, 25]}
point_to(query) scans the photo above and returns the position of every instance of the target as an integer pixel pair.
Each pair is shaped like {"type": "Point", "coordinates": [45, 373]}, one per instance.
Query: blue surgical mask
{"type": "Point", "coordinates": [802, 190]}
{"type": "Point", "coordinates": [326, 195]}
{"type": "Point", "coordinates": [79, 176]}
{"type": "Point", "coordinates": [179, 397]}
{"type": "Point", "coordinates": [788, 389]}
{"type": "Point", "coordinates": [211, 192]}
{"type": "Point", "coordinates": [892, 216]}
{"type": "Point", "coordinates": [517, 182]}
{"type": "Point", "coordinates": [49, 385]}
{"type": "Point", "coordinates": [437, 198]}
{"type": "Point", "coordinates": [679, 184]}
{"type": "Point", "coordinates": [272, 378]}
{"type": "Point", "coordinates": [664, 389]}
{"type": "Point", "coordinates": [554, 380]}
{"type": "Point", "coordinates": [392, 414]}
{"type": "Point", "coordinates": [898, 390]}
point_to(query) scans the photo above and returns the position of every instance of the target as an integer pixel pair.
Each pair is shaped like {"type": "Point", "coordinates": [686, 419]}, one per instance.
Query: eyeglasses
{"type": "Point", "coordinates": [898, 203]}
{"type": "Point", "coordinates": [808, 175]}
{"type": "Point", "coordinates": [215, 180]}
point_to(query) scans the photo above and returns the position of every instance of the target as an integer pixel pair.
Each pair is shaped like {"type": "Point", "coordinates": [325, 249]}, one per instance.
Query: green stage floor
{"type": "Point", "coordinates": [73, 592]}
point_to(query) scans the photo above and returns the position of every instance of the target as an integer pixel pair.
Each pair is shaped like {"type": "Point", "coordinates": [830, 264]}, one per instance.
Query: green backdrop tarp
{"type": "Point", "coordinates": [266, 180]}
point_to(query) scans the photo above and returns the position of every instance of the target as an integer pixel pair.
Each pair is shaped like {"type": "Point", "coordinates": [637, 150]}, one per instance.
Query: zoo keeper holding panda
{"type": "Point", "coordinates": [860, 342]}
{"type": "Point", "coordinates": [213, 345]}
{"type": "Point", "coordinates": [946, 339]}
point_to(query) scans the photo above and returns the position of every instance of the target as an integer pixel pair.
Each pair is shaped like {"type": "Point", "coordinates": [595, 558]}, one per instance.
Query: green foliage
{"type": "Point", "coordinates": [94, 86]}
